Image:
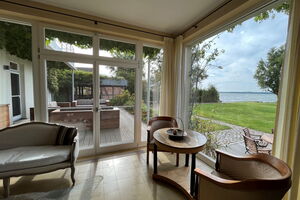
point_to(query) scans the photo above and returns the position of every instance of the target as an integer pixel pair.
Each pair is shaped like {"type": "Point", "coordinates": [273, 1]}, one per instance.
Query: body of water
{"type": "Point", "coordinates": [247, 96]}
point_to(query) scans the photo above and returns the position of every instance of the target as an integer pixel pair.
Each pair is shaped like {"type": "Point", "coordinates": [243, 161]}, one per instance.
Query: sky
{"type": "Point", "coordinates": [244, 47]}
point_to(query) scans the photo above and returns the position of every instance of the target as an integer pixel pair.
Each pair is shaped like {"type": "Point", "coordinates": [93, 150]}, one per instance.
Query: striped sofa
{"type": "Point", "coordinates": [36, 148]}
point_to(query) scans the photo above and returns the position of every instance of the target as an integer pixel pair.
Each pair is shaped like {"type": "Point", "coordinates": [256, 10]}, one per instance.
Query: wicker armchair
{"type": "Point", "coordinates": [157, 123]}
{"type": "Point", "coordinates": [258, 177]}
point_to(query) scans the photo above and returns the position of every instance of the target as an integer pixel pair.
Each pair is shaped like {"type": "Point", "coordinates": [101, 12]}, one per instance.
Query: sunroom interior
{"type": "Point", "coordinates": [108, 68]}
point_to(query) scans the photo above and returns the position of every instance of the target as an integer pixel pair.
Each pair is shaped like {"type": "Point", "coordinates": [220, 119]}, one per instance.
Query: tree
{"type": "Point", "coordinates": [16, 40]}
{"type": "Point", "coordinates": [268, 71]}
{"type": "Point", "coordinates": [201, 60]}
{"type": "Point", "coordinates": [281, 8]}
{"type": "Point", "coordinates": [210, 95]}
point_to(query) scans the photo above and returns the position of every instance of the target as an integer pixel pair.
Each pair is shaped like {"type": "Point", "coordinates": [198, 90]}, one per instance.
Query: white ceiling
{"type": "Point", "coordinates": [169, 16]}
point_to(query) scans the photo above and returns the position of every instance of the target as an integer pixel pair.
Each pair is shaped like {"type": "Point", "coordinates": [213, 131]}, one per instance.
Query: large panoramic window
{"type": "Point", "coordinates": [16, 79]}
{"type": "Point", "coordinates": [234, 81]}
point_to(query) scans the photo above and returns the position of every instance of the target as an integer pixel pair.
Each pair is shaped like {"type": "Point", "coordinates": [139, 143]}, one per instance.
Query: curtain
{"type": "Point", "coordinates": [168, 81]}
{"type": "Point", "coordinates": [179, 77]}
{"type": "Point", "coordinates": [287, 140]}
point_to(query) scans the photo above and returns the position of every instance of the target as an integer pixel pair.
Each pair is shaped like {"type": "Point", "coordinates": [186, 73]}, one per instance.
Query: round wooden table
{"type": "Point", "coordinates": [191, 144]}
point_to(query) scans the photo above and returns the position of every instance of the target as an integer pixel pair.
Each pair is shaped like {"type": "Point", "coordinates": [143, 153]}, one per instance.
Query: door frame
{"type": "Point", "coordinates": [51, 55]}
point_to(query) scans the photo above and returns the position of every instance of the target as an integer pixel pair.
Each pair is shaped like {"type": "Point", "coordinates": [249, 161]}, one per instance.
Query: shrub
{"type": "Point", "coordinates": [206, 127]}
{"type": "Point", "coordinates": [123, 99]}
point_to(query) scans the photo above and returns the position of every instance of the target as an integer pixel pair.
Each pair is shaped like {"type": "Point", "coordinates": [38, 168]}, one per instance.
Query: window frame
{"type": "Point", "coordinates": [186, 55]}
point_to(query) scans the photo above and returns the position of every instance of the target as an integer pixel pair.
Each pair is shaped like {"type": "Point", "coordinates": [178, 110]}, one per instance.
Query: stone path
{"type": "Point", "coordinates": [229, 136]}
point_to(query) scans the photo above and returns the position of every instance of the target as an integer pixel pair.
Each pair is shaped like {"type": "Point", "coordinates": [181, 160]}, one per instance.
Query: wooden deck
{"type": "Point", "coordinates": [122, 135]}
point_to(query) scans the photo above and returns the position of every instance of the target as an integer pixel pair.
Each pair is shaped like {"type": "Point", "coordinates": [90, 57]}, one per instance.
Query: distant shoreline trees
{"type": "Point", "coordinates": [209, 95]}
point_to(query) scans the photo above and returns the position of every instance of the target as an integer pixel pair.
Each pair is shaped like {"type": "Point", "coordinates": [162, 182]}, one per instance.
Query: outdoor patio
{"type": "Point", "coordinates": [108, 137]}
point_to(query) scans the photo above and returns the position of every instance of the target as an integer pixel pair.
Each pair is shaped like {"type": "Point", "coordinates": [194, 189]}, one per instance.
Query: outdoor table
{"type": "Point", "coordinates": [191, 144]}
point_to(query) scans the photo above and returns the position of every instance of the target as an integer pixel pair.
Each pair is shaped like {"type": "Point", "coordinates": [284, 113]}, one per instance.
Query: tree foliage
{"type": "Point", "coordinates": [268, 71]}
{"type": "Point", "coordinates": [59, 80]}
{"type": "Point", "coordinates": [202, 57]}
{"type": "Point", "coordinates": [16, 40]}
{"type": "Point", "coordinates": [281, 8]}
{"type": "Point", "coordinates": [209, 95]}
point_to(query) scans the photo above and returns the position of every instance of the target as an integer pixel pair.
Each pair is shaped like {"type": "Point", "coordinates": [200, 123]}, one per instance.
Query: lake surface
{"type": "Point", "coordinates": [247, 96]}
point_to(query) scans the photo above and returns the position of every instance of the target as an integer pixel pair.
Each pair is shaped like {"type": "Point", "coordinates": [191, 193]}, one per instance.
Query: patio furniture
{"type": "Point", "coordinates": [251, 135]}
{"type": "Point", "coordinates": [259, 141]}
{"type": "Point", "coordinates": [192, 143]}
{"type": "Point", "coordinates": [64, 104]}
{"type": "Point", "coordinates": [36, 148]}
{"type": "Point", "coordinates": [253, 148]}
{"type": "Point", "coordinates": [157, 123]}
{"type": "Point", "coordinates": [258, 177]}
{"type": "Point", "coordinates": [268, 138]}
{"type": "Point", "coordinates": [109, 118]}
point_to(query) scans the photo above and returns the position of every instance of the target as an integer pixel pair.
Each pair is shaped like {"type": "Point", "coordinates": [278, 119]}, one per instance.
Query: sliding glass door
{"type": "Point", "coordinates": [117, 105]}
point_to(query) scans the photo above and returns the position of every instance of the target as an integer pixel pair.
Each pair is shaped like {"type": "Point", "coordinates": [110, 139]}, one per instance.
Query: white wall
{"type": "Point", "coordinates": [26, 78]}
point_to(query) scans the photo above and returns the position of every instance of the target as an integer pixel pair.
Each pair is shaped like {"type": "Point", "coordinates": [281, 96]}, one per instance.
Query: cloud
{"type": "Point", "coordinates": [244, 47]}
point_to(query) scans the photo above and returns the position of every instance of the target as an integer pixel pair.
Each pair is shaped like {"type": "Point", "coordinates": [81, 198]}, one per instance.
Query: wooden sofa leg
{"type": "Point", "coordinates": [6, 182]}
{"type": "Point", "coordinates": [73, 174]}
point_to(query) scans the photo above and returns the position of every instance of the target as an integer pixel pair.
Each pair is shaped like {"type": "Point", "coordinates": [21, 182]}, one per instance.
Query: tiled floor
{"type": "Point", "coordinates": [122, 175]}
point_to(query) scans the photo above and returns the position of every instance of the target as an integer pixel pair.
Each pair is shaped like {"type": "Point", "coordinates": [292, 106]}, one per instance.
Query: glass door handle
{"type": "Point", "coordinates": [96, 109]}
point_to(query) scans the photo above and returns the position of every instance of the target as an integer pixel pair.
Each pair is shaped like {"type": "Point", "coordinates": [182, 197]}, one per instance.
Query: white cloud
{"type": "Point", "coordinates": [244, 47]}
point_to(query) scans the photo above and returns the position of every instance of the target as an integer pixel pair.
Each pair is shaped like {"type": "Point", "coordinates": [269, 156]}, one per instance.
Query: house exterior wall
{"type": "Point", "coordinates": [26, 83]}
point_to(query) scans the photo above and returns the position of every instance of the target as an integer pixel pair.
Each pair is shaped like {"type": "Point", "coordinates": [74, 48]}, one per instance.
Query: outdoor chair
{"type": "Point", "coordinates": [252, 146]}
{"type": "Point", "coordinates": [258, 177]}
{"type": "Point", "coordinates": [251, 135]}
{"type": "Point", "coordinates": [154, 124]}
{"type": "Point", "coordinates": [259, 141]}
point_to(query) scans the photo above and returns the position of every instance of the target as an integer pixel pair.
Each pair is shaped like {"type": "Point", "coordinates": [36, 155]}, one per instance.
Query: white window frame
{"type": "Point", "coordinates": [96, 60]}
{"type": "Point", "coordinates": [187, 62]}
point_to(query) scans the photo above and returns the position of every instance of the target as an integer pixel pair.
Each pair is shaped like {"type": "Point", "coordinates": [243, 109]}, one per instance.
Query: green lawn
{"type": "Point", "coordinates": [254, 115]}
{"type": "Point", "coordinates": [204, 126]}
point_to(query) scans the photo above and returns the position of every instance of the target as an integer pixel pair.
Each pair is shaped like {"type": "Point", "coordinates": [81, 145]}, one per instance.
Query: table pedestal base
{"type": "Point", "coordinates": [173, 183]}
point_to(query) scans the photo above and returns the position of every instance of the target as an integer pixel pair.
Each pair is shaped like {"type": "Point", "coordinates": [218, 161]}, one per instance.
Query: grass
{"type": "Point", "coordinates": [207, 126]}
{"type": "Point", "coordinates": [254, 115]}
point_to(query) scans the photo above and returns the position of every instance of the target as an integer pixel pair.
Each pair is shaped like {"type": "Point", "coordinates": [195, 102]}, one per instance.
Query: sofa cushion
{"type": "Point", "coordinates": [33, 156]}
{"type": "Point", "coordinates": [66, 135]}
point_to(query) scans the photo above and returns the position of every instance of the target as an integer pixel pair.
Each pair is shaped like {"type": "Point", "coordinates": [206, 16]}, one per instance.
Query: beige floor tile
{"type": "Point", "coordinates": [122, 176]}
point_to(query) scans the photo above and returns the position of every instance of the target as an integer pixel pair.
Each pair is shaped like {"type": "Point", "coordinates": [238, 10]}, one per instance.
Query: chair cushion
{"type": "Point", "coordinates": [33, 156]}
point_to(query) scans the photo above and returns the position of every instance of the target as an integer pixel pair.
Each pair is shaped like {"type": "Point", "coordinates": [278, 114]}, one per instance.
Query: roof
{"type": "Point", "coordinates": [113, 82]}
